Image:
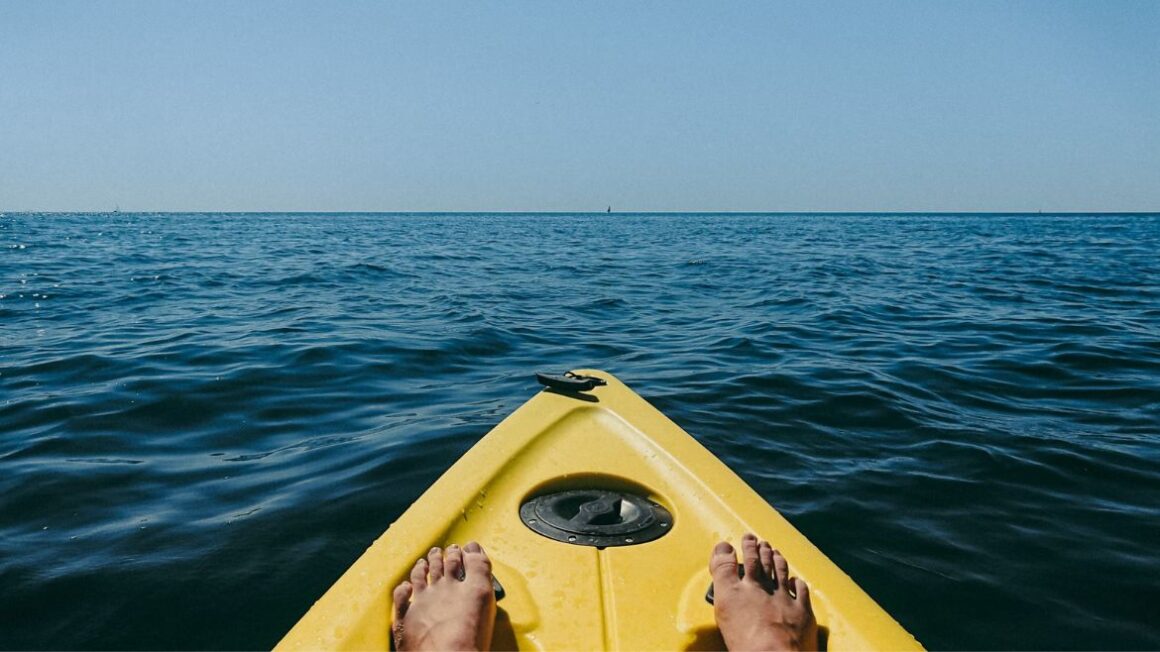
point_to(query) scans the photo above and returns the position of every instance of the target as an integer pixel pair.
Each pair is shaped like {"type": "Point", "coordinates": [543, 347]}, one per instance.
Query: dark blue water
{"type": "Point", "coordinates": [204, 419]}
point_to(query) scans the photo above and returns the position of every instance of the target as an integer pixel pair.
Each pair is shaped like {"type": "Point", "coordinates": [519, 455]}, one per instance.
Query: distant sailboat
{"type": "Point", "coordinates": [609, 210]}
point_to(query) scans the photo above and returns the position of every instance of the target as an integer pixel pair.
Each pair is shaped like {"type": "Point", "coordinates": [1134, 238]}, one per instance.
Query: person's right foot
{"type": "Point", "coordinates": [766, 609]}
{"type": "Point", "coordinates": [448, 604]}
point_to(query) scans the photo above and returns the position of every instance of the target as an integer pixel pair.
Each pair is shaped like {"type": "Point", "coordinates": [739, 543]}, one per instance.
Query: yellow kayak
{"type": "Point", "coordinates": [598, 514]}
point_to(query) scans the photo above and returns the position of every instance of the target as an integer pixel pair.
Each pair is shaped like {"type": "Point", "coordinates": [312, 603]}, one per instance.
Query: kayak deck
{"type": "Point", "coordinates": [564, 596]}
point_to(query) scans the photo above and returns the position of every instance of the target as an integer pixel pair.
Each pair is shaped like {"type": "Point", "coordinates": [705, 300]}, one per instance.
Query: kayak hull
{"type": "Point", "coordinates": [563, 596]}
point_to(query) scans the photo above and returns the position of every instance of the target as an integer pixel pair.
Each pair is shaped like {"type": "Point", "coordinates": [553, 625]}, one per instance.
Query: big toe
{"type": "Point", "coordinates": [476, 562]}
{"type": "Point", "coordinates": [723, 564]}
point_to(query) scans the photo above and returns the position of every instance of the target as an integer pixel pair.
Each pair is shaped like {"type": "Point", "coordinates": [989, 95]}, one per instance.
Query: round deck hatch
{"type": "Point", "coordinates": [596, 517]}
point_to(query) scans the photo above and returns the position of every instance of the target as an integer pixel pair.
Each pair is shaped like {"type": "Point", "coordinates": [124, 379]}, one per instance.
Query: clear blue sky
{"type": "Point", "coordinates": [250, 105]}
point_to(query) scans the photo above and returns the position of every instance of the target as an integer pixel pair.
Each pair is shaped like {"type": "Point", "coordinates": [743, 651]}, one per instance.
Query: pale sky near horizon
{"type": "Point", "coordinates": [649, 106]}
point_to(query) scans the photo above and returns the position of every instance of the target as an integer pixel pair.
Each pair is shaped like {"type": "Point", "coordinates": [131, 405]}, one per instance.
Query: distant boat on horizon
{"type": "Point", "coordinates": [609, 210]}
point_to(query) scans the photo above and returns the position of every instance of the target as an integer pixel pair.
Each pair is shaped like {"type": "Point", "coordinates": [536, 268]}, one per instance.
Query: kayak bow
{"type": "Point", "coordinates": [599, 514]}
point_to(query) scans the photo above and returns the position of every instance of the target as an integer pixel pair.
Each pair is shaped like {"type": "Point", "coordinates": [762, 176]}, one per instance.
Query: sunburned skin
{"type": "Point", "coordinates": [449, 603]}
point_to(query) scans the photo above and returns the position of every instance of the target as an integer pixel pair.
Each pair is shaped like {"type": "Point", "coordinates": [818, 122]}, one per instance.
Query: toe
{"type": "Point", "coordinates": [723, 565]}
{"type": "Point", "coordinates": [453, 562]}
{"type": "Point", "coordinates": [750, 558]}
{"type": "Point", "coordinates": [402, 600]}
{"type": "Point", "coordinates": [435, 561]}
{"type": "Point", "coordinates": [802, 591]}
{"type": "Point", "coordinates": [419, 575]}
{"type": "Point", "coordinates": [476, 562]}
{"type": "Point", "coordinates": [780, 570]}
{"type": "Point", "coordinates": [765, 552]}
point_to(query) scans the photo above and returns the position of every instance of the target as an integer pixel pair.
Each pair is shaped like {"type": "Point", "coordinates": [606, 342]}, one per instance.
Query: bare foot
{"type": "Point", "coordinates": [766, 609]}
{"type": "Point", "coordinates": [448, 604]}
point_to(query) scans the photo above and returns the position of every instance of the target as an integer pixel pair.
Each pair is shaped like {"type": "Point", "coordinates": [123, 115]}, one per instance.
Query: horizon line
{"type": "Point", "coordinates": [574, 212]}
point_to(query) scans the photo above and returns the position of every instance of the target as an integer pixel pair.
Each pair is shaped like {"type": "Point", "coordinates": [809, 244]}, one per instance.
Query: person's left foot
{"type": "Point", "coordinates": [448, 604]}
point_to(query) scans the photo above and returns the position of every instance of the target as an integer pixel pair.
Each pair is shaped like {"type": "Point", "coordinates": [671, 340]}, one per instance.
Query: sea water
{"type": "Point", "coordinates": [205, 418]}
